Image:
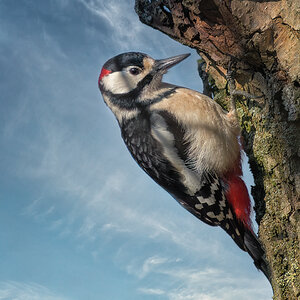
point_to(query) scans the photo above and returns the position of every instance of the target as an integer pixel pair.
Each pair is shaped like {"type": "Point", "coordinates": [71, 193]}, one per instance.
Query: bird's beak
{"type": "Point", "coordinates": [167, 63]}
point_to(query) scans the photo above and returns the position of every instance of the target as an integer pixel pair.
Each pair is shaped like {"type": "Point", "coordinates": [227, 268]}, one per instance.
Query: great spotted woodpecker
{"type": "Point", "coordinates": [184, 141]}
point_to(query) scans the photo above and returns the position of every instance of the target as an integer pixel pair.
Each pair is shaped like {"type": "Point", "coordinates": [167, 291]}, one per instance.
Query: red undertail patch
{"type": "Point", "coordinates": [238, 197]}
{"type": "Point", "coordinates": [103, 73]}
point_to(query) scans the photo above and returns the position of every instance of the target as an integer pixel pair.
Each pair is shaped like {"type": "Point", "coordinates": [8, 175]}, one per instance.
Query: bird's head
{"type": "Point", "coordinates": [134, 71]}
{"type": "Point", "coordinates": [129, 78]}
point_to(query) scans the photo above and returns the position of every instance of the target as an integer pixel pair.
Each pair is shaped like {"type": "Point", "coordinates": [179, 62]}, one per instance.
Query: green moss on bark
{"type": "Point", "coordinates": [268, 141]}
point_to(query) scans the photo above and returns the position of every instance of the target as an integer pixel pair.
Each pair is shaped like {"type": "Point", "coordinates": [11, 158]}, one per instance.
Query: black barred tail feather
{"type": "Point", "coordinates": [256, 251]}
{"type": "Point", "coordinates": [247, 241]}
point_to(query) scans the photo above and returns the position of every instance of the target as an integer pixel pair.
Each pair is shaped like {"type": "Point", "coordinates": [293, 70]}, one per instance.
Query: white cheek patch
{"type": "Point", "coordinates": [119, 83]}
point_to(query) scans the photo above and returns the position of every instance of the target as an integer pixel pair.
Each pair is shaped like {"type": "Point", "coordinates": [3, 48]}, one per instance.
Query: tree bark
{"type": "Point", "coordinates": [262, 38]}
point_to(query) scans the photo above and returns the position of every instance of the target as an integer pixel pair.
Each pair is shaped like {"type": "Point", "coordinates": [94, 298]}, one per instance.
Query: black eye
{"type": "Point", "coordinates": [134, 71]}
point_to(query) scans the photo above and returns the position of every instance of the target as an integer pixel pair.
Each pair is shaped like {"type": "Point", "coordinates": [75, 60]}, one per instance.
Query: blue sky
{"type": "Point", "coordinates": [78, 218]}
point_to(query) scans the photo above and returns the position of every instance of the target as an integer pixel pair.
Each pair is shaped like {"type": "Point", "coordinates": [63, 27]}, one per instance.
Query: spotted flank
{"type": "Point", "coordinates": [211, 200]}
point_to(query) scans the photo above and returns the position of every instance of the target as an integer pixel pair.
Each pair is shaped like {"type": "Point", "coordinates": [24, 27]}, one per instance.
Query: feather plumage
{"type": "Point", "coordinates": [185, 142]}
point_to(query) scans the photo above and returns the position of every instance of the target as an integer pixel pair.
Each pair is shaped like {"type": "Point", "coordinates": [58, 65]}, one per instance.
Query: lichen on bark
{"type": "Point", "coordinates": [262, 37]}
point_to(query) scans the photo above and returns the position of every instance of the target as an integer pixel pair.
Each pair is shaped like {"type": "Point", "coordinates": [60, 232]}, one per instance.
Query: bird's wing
{"type": "Point", "coordinates": [204, 195]}
{"type": "Point", "coordinates": [163, 156]}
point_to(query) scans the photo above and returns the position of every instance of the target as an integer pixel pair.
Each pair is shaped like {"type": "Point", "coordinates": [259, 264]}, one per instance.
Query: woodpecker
{"type": "Point", "coordinates": [184, 141]}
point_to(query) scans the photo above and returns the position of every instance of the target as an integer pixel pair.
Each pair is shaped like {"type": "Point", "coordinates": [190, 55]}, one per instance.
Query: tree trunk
{"type": "Point", "coordinates": [262, 39]}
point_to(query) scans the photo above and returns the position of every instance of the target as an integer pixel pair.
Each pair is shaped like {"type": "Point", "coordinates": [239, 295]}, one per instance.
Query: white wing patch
{"type": "Point", "coordinates": [161, 133]}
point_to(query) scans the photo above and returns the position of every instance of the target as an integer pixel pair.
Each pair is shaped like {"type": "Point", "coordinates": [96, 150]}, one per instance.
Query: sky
{"type": "Point", "coordinates": [79, 219]}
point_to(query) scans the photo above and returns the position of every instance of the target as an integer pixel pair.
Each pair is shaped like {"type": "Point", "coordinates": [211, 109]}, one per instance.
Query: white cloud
{"type": "Point", "coordinates": [114, 228]}
{"type": "Point", "coordinates": [181, 282]}
{"type": "Point", "coordinates": [148, 291]}
{"type": "Point", "coordinates": [12, 290]}
{"type": "Point", "coordinates": [149, 265]}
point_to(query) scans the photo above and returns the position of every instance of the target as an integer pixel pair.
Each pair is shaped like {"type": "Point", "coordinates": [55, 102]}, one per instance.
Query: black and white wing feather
{"type": "Point", "coordinates": [163, 156]}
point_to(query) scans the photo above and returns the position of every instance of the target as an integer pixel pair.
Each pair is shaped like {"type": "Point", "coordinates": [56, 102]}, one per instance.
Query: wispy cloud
{"type": "Point", "coordinates": [181, 282]}
{"type": "Point", "coordinates": [12, 290]}
{"type": "Point", "coordinates": [123, 25]}
{"type": "Point", "coordinates": [125, 30]}
{"type": "Point", "coordinates": [148, 266]}
{"type": "Point", "coordinates": [147, 291]}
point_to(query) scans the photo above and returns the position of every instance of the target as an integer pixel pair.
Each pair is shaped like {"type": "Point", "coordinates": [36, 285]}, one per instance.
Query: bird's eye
{"type": "Point", "coordinates": [134, 71]}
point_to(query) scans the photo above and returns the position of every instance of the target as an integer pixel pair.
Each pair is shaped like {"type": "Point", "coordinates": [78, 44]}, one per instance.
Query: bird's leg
{"type": "Point", "coordinates": [207, 90]}
{"type": "Point", "coordinates": [231, 83]}
{"type": "Point", "coordinates": [230, 77]}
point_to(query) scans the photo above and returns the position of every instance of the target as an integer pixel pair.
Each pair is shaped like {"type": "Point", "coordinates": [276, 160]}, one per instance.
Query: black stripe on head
{"type": "Point", "coordinates": [124, 60]}
{"type": "Point", "coordinates": [130, 101]}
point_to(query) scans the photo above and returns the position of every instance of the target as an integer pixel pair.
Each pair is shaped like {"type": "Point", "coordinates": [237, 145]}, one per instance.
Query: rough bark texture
{"type": "Point", "coordinates": [263, 38]}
